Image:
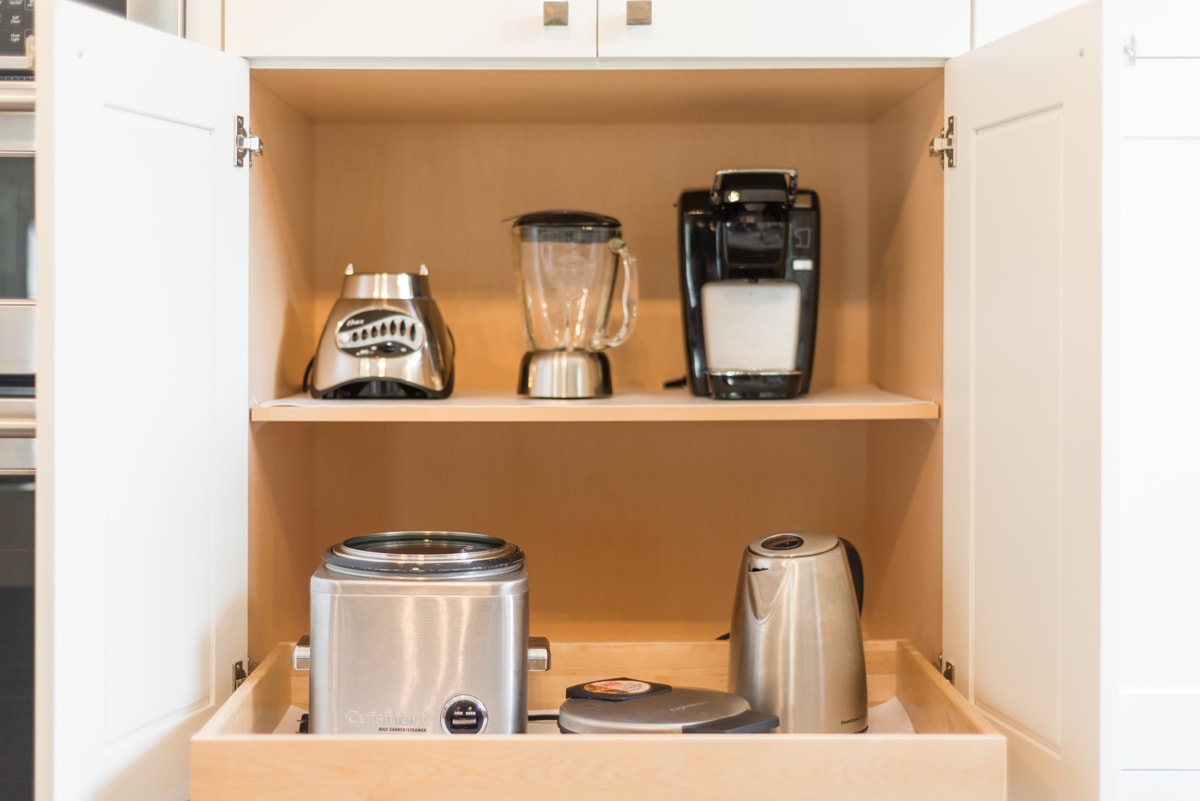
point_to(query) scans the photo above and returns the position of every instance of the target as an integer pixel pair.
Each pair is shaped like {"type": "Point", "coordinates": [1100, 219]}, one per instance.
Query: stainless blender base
{"type": "Point", "coordinates": [565, 374]}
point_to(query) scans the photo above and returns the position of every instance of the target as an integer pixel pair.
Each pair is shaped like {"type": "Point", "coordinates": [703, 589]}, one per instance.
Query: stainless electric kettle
{"type": "Point", "coordinates": [795, 642]}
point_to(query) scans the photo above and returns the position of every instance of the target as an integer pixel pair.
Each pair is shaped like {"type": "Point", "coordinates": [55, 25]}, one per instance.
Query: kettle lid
{"type": "Point", "coordinates": [794, 544]}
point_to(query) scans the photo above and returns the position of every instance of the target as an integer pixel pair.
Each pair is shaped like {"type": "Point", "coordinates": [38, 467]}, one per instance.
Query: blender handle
{"type": "Point", "coordinates": [628, 297]}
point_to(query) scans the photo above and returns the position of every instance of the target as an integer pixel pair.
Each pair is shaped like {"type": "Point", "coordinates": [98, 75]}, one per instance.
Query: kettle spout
{"type": "Point", "coordinates": [763, 584]}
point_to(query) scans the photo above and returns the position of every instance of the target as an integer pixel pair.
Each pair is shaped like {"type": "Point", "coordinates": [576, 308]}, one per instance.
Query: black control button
{"type": "Point", "coordinates": [374, 331]}
{"type": "Point", "coordinates": [392, 328]}
{"type": "Point", "coordinates": [464, 714]}
{"type": "Point", "coordinates": [388, 347]}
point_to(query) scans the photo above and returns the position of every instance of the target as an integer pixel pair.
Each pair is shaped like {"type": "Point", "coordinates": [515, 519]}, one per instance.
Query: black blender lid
{"type": "Point", "coordinates": [569, 217]}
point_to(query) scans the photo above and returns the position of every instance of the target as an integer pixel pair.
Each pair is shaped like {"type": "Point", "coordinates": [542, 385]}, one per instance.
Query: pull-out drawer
{"type": "Point", "coordinates": [952, 752]}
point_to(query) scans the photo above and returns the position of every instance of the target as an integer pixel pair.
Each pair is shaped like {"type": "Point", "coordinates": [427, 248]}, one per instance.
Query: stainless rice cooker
{"type": "Point", "coordinates": [419, 632]}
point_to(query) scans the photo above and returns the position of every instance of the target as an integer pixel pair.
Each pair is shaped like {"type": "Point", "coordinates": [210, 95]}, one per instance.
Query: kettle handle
{"type": "Point", "coordinates": [856, 570]}
{"type": "Point", "coordinates": [629, 298]}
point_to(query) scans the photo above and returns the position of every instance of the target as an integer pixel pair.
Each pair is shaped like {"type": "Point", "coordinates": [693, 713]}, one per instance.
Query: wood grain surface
{"type": "Point", "coordinates": [964, 759]}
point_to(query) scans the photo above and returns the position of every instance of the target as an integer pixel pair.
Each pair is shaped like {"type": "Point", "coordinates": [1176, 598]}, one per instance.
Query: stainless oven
{"type": "Point", "coordinates": [18, 282]}
{"type": "Point", "coordinates": [16, 34]}
{"type": "Point", "coordinates": [17, 38]}
{"type": "Point", "coordinates": [18, 426]}
{"type": "Point", "coordinates": [17, 478]}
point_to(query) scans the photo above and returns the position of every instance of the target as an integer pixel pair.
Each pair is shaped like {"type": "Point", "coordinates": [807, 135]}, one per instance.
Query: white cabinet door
{"type": "Point", "coordinates": [1157, 469]}
{"type": "Point", "coordinates": [1159, 785]}
{"type": "Point", "coordinates": [471, 30]}
{"type": "Point", "coordinates": [142, 402]}
{"type": "Point", "coordinates": [1162, 28]}
{"type": "Point", "coordinates": [1022, 539]}
{"type": "Point", "coordinates": [768, 29]}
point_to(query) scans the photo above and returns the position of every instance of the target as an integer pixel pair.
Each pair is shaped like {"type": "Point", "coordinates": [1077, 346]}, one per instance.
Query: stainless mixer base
{"type": "Point", "coordinates": [565, 374]}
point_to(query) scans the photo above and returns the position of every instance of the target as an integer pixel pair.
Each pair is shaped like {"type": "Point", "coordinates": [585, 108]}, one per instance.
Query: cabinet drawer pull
{"type": "Point", "coordinates": [554, 13]}
{"type": "Point", "coordinates": [637, 12]}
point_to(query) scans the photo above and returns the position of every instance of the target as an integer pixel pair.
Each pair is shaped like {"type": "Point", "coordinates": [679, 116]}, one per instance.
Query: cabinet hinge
{"type": "Point", "coordinates": [942, 145]}
{"type": "Point", "coordinates": [247, 144]}
{"type": "Point", "coordinates": [242, 670]}
{"type": "Point", "coordinates": [946, 668]}
{"type": "Point", "coordinates": [1130, 50]}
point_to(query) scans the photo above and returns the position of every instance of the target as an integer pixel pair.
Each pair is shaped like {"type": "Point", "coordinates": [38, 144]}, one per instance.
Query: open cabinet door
{"type": "Point", "coordinates": [142, 399]}
{"type": "Point", "coordinates": [1021, 619]}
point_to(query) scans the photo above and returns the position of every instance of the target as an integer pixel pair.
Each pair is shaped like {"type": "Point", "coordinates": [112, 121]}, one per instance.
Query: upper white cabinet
{"type": "Point", "coordinates": [767, 29]}
{"type": "Point", "coordinates": [569, 30]}
{"type": "Point", "coordinates": [375, 29]}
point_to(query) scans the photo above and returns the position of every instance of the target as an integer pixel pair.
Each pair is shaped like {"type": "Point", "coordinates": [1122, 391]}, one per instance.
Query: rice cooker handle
{"type": "Point", "coordinates": [302, 654]}
{"type": "Point", "coordinates": [539, 654]}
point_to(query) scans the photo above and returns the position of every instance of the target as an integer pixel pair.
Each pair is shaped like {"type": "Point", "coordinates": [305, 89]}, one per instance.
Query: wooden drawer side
{"type": "Point", "coordinates": [932, 703]}
{"type": "Point", "coordinates": [260, 703]}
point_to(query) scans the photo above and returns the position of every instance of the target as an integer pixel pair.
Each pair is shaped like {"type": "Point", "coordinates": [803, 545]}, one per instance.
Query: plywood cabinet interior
{"type": "Point", "coordinates": [633, 529]}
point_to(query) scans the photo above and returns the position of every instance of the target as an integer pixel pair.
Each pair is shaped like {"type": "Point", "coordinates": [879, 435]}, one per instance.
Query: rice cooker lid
{"type": "Point", "coordinates": [425, 553]}
{"type": "Point", "coordinates": [632, 706]}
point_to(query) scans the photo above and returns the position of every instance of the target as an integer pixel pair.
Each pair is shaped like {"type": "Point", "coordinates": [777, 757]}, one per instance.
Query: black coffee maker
{"type": "Point", "coordinates": [749, 255]}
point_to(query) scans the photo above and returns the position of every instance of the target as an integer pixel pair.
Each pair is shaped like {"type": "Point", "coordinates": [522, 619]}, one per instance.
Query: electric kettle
{"type": "Point", "coordinates": [795, 641]}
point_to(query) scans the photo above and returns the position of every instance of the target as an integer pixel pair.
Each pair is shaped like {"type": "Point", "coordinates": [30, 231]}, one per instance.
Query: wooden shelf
{"type": "Point", "coordinates": [492, 406]}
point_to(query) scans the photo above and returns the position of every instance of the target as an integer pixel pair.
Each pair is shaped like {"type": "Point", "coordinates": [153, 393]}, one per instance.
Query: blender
{"type": "Point", "coordinates": [566, 263]}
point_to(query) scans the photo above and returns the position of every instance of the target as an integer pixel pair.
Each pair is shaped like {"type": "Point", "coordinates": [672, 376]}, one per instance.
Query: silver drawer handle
{"type": "Point", "coordinates": [637, 12]}
{"type": "Point", "coordinates": [554, 13]}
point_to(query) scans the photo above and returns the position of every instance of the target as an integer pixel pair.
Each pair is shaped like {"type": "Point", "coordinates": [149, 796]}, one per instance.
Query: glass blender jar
{"type": "Point", "coordinates": [566, 263]}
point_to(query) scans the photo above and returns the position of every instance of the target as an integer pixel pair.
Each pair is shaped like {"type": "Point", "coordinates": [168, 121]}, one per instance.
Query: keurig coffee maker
{"type": "Point", "coordinates": [749, 252]}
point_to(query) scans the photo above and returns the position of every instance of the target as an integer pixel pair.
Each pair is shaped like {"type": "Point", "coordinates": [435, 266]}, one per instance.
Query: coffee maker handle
{"type": "Point", "coordinates": [628, 297]}
{"type": "Point", "coordinates": [856, 569]}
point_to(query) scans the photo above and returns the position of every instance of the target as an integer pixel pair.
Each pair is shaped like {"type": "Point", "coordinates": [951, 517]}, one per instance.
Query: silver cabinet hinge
{"type": "Point", "coordinates": [241, 672]}
{"type": "Point", "coordinates": [248, 145]}
{"type": "Point", "coordinates": [1130, 50]}
{"type": "Point", "coordinates": [946, 668]}
{"type": "Point", "coordinates": [942, 145]}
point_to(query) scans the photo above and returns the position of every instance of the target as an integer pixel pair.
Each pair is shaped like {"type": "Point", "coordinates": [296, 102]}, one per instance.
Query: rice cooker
{"type": "Point", "coordinates": [419, 632]}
